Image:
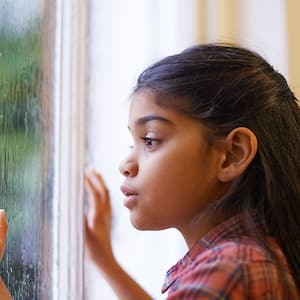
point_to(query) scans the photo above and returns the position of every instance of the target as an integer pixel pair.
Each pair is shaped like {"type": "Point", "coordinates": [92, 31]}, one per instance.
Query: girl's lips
{"type": "Point", "coordinates": [130, 197]}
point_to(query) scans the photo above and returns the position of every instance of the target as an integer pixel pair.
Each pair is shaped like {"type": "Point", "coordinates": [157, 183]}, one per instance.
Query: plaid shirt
{"type": "Point", "coordinates": [220, 267]}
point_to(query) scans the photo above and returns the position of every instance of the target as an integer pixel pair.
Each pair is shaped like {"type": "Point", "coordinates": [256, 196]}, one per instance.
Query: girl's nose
{"type": "Point", "coordinates": [128, 168]}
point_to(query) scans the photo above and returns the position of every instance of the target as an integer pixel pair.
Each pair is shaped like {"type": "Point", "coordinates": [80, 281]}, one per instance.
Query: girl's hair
{"type": "Point", "coordinates": [225, 87]}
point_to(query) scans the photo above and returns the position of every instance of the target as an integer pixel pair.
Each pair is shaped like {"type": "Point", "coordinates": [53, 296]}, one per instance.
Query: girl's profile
{"type": "Point", "coordinates": [215, 155]}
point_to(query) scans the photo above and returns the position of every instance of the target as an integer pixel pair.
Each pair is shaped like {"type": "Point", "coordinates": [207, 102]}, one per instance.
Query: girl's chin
{"type": "Point", "coordinates": [139, 223]}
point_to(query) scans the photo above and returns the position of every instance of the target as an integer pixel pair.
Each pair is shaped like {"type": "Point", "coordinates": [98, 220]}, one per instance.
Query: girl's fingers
{"type": "Point", "coordinates": [3, 224]}
{"type": "Point", "coordinates": [3, 231]}
{"type": "Point", "coordinates": [97, 182]}
{"type": "Point", "coordinates": [96, 185]}
{"type": "Point", "coordinates": [98, 198]}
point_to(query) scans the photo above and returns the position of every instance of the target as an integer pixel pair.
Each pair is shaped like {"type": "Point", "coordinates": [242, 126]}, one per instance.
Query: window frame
{"type": "Point", "coordinates": [70, 101]}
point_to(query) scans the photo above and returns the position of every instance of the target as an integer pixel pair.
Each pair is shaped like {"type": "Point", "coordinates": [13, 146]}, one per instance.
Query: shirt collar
{"type": "Point", "coordinates": [232, 227]}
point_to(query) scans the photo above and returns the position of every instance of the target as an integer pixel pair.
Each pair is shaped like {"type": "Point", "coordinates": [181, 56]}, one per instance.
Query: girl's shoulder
{"type": "Point", "coordinates": [239, 250]}
{"type": "Point", "coordinates": [238, 268]}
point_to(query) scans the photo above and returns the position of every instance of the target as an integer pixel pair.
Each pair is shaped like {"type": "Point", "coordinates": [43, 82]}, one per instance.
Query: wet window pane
{"type": "Point", "coordinates": [25, 133]}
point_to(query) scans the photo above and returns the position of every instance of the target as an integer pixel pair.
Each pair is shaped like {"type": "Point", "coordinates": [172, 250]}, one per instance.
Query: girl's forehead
{"type": "Point", "coordinates": [148, 100]}
{"type": "Point", "coordinates": [144, 110]}
{"type": "Point", "coordinates": [145, 102]}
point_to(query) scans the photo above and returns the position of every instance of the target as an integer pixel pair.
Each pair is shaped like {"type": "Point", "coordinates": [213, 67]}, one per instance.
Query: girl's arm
{"type": "Point", "coordinates": [98, 241]}
{"type": "Point", "coordinates": [4, 293]}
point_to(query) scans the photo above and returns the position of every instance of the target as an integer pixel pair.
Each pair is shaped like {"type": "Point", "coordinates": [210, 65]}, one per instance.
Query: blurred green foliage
{"type": "Point", "coordinates": [20, 156]}
{"type": "Point", "coordinates": [20, 80]}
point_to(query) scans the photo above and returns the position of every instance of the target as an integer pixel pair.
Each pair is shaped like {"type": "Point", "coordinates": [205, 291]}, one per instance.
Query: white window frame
{"type": "Point", "coordinates": [69, 155]}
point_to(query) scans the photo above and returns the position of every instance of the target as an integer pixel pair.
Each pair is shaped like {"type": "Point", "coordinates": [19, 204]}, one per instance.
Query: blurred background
{"type": "Point", "coordinates": [67, 68]}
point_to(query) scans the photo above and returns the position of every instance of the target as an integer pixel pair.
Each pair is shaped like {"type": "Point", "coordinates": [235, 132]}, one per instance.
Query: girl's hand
{"type": "Point", "coordinates": [4, 293]}
{"type": "Point", "coordinates": [3, 231]}
{"type": "Point", "coordinates": [98, 221]}
{"type": "Point", "coordinates": [98, 241]}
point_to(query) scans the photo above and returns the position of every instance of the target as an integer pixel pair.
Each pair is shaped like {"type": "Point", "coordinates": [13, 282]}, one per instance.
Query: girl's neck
{"type": "Point", "coordinates": [198, 227]}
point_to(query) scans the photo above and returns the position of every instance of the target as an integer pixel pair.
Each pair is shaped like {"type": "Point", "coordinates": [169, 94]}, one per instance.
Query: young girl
{"type": "Point", "coordinates": [216, 155]}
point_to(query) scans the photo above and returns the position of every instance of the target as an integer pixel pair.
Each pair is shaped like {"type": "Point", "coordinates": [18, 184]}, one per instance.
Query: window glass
{"type": "Point", "coordinates": [25, 148]}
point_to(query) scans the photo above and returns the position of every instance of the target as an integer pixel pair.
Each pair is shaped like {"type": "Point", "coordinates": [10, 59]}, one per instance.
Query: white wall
{"type": "Point", "coordinates": [263, 29]}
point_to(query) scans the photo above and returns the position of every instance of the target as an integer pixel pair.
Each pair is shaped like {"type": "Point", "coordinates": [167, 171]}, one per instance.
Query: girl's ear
{"type": "Point", "coordinates": [240, 147]}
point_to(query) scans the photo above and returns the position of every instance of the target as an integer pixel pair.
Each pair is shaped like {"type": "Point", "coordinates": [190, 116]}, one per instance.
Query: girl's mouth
{"type": "Point", "coordinates": [131, 197]}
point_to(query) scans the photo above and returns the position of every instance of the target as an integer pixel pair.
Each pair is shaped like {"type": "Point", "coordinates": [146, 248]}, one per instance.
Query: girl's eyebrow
{"type": "Point", "coordinates": [143, 120]}
{"type": "Point", "coordinates": [146, 119]}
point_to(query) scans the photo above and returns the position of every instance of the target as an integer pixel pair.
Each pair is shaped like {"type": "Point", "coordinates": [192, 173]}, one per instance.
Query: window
{"type": "Point", "coordinates": [42, 109]}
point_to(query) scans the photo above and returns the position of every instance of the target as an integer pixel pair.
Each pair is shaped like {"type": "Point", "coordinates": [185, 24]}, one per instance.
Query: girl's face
{"type": "Point", "coordinates": [170, 172]}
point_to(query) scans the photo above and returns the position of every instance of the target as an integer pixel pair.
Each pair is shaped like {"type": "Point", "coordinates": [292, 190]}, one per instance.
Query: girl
{"type": "Point", "coordinates": [216, 135]}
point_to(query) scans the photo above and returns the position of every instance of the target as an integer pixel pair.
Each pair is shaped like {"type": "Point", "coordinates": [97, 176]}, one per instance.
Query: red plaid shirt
{"type": "Point", "coordinates": [219, 267]}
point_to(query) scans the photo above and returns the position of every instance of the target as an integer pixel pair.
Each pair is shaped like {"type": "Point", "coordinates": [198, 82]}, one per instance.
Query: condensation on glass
{"type": "Point", "coordinates": [25, 146]}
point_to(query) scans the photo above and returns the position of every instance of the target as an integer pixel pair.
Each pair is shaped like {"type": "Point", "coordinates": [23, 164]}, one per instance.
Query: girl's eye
{"type": "Point", "coordinates": [150, 142]}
